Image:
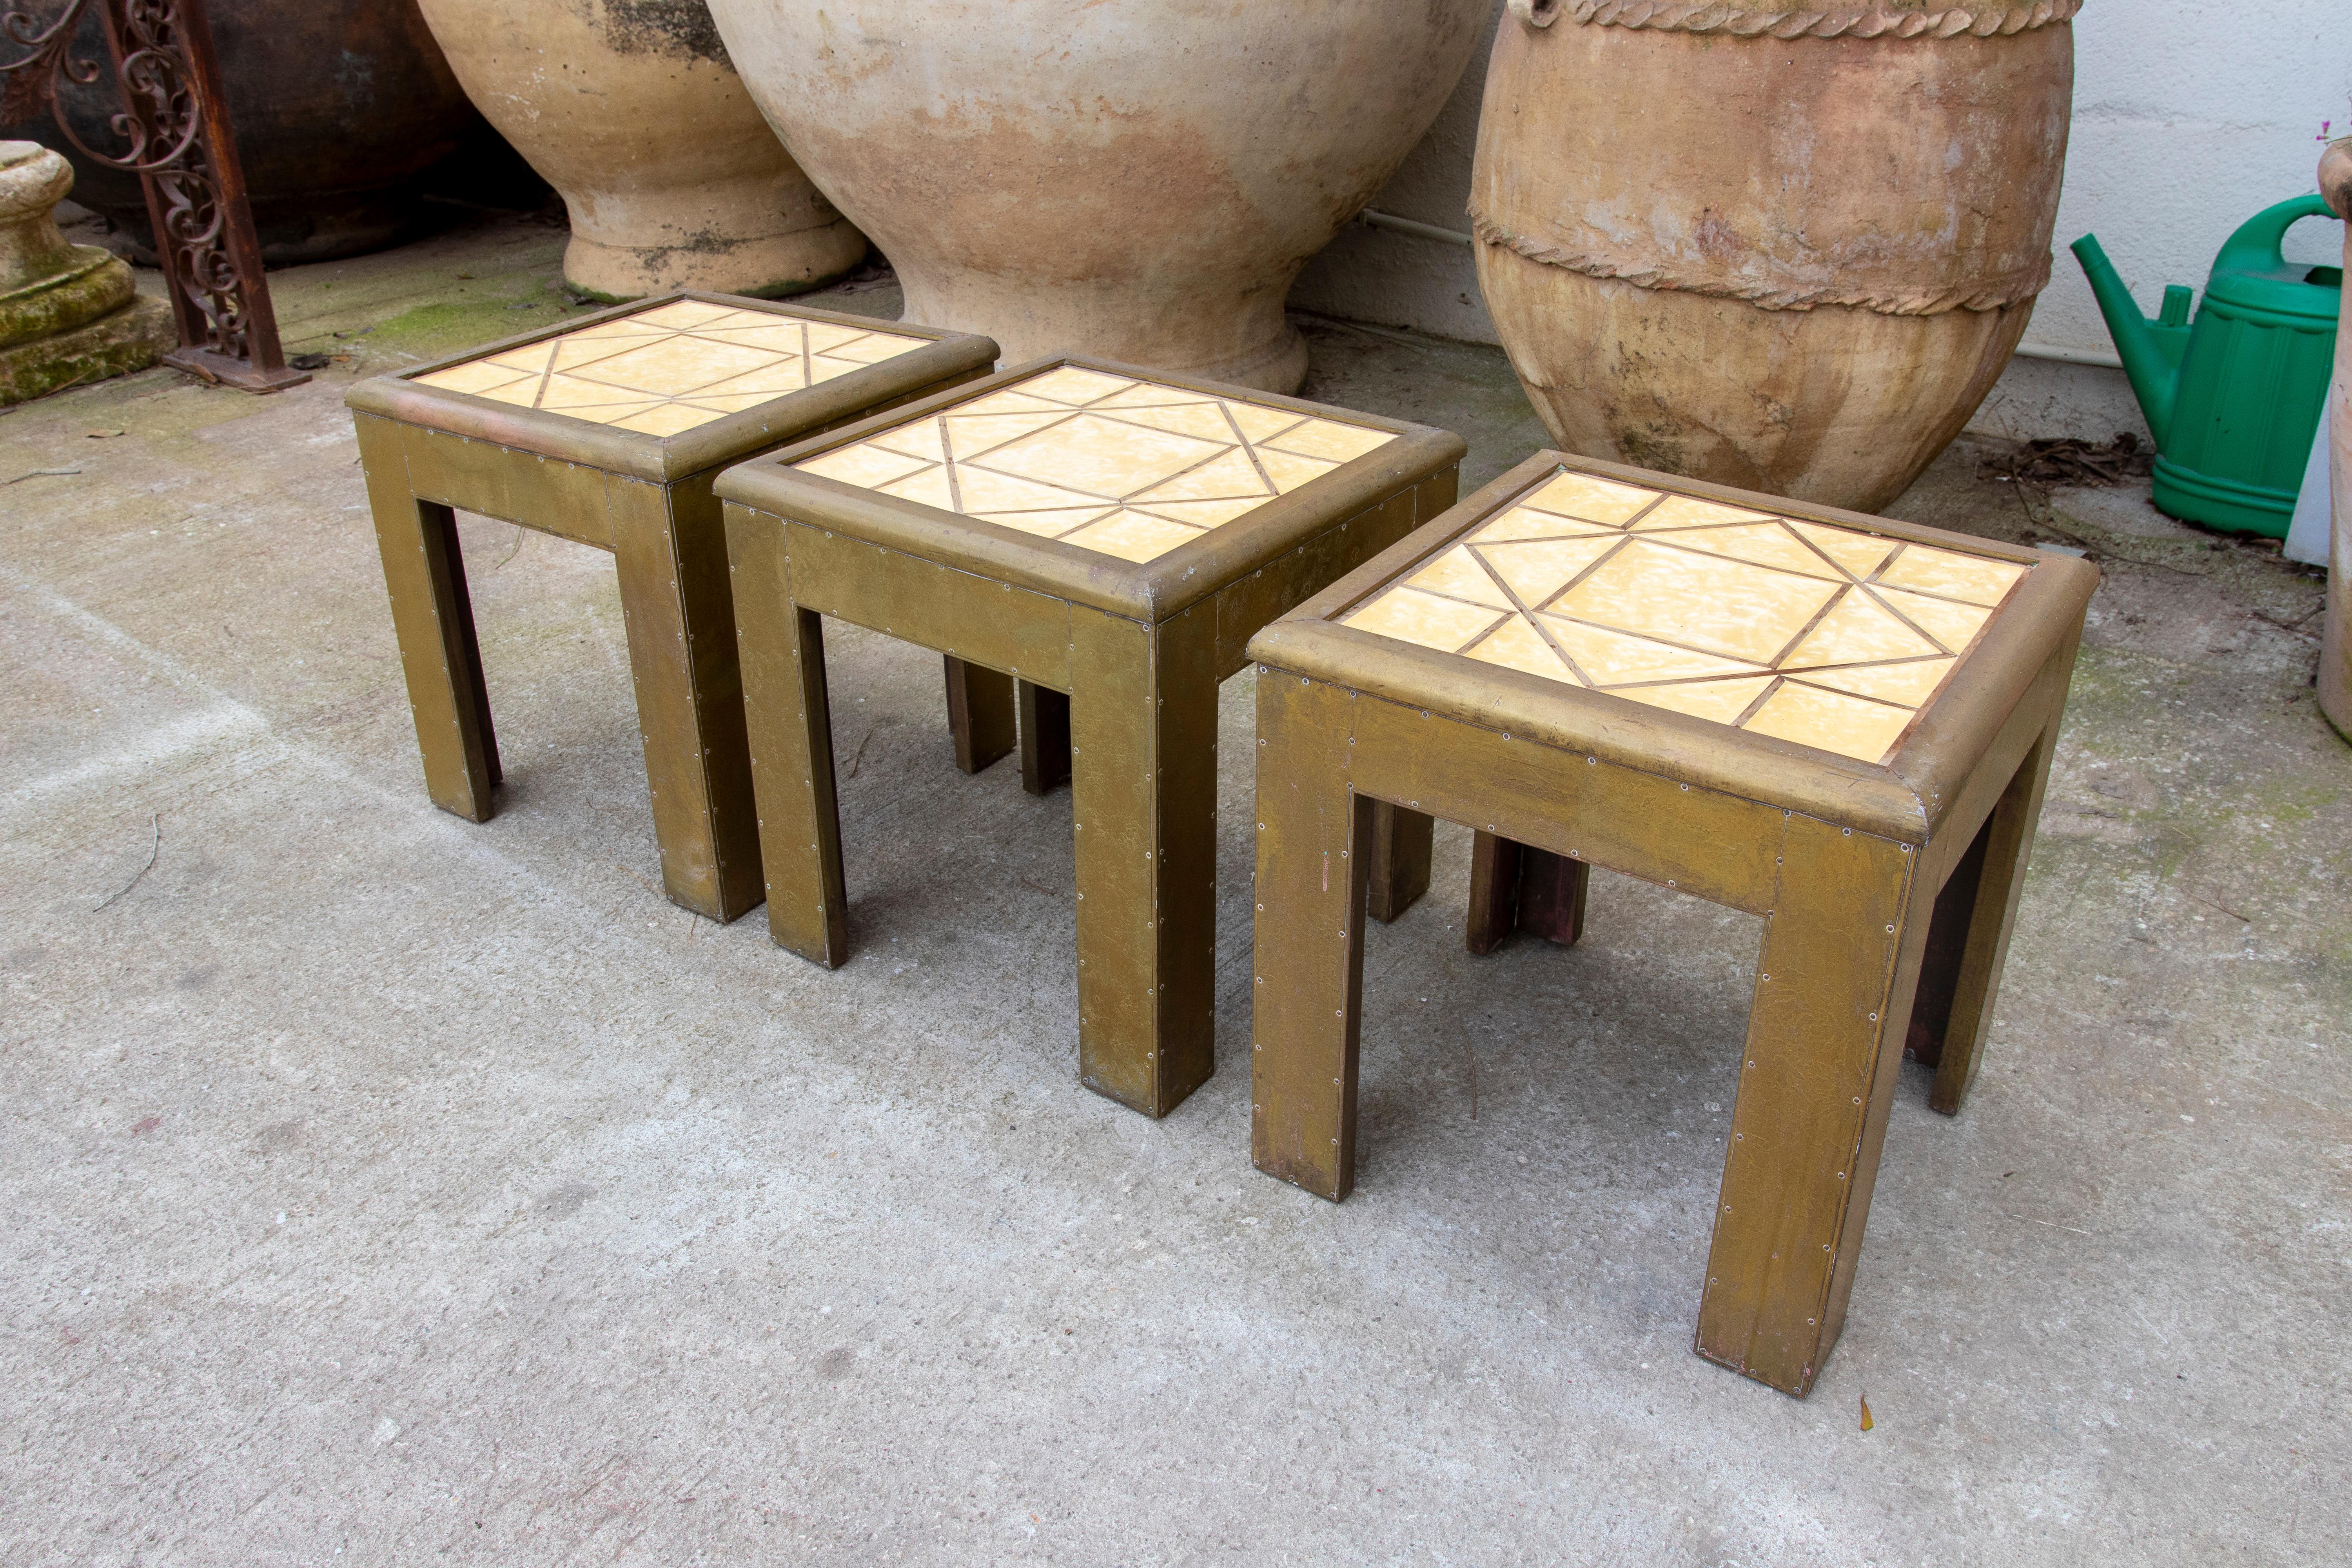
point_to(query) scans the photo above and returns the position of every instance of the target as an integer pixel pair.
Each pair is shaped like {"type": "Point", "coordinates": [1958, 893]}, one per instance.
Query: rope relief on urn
{"type": "Point", "coordinates": [1977, 294]}
{"type": "Point", "coordinates": [1765, 18]}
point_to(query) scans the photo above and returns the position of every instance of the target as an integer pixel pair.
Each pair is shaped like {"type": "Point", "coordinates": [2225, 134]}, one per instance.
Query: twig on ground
{"type": "Point", "coordinates": [1473, 1056]}
{"type": "Point", "coordinates": [43, 473]}
{"type": "Point", "coordinates": [859, 755]}
{"type": "Point", "coordinates": [2051, 1223]}
{"type": "Point", "coordinates": [2295, 625]}
{"type": "Point", "coordinates": [513, 550]}
{"type": "Point", "coordinates": [153, 848]}
{"type": "Point", "coordinates": [1040, 887]}
{"type": "Point", "coordinates": [2225, 909]}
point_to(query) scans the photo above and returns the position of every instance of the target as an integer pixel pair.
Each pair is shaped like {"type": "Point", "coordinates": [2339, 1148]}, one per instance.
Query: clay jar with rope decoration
{"type": "Point", "coordinates": [1783, 246]}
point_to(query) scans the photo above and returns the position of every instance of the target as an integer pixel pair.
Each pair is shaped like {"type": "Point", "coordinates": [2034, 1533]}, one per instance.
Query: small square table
{"type": "Point", "coordinates": [1840, 724]}
{"type": "Point", "coordinates": [609, 429]}
{"type": "Point", "coordinates": [1111, 537]}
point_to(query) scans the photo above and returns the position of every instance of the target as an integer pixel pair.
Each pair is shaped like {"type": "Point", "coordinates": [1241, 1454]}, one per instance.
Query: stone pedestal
{"type": "Point", "coordinates": [67, 312]}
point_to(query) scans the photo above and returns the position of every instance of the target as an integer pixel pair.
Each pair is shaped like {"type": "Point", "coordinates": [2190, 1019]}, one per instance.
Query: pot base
{"type": "Point", "coordinates": [768, 266]}
{"type": "Point", "coordinates": [1279, 367]}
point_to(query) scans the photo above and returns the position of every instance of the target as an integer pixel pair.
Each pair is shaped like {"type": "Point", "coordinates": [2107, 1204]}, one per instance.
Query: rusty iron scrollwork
{"type": "Point", "coordinates": [174, 134]}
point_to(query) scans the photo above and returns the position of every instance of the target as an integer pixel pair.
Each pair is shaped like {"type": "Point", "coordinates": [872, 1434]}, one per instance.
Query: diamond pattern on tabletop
{"type": "Point", "coordinates": [1825, 635]}
{"type": "Point", "coordinates": [673, 367]}
{"type": "Point", "coordinates": [1121, 466]}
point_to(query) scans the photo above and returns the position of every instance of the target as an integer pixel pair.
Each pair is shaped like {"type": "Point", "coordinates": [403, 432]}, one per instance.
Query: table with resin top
{"type": "Point", "coordinates": [608, 430]}
{"type": "Point", "coordinates": [1840, 724]}
{"type": "Point", "coordinates": [1111, 538]}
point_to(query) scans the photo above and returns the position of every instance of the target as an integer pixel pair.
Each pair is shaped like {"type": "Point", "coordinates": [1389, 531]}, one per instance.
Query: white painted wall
{"type": "Point", "coordinates": [2190, 116]}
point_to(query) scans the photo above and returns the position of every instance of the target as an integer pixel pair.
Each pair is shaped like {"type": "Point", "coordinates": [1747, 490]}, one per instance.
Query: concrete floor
{"type": "Point", "coordinates": [385, 1189]}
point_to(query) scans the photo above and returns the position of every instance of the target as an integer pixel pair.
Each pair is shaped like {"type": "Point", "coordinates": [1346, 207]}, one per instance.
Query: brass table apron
{"type": "Point", "coordinates": [1887, 886]}
{"type": "Point", "coordinates": [609, 430]}
{"type": "Point", "coordinates": [1124, 654]}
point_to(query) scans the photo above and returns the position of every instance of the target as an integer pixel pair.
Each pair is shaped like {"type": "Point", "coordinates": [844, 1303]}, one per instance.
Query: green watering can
{"type": "Point", "coordinates": [2234, 397]}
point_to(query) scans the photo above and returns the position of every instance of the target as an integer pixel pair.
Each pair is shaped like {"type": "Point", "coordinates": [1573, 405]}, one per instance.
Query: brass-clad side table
{"type": "Point", "coordinates": [1841, 723]}
{"type": "Point", "coordinates": [1111, 537]}
{"type": "Point", "coordinates": [609, 430]}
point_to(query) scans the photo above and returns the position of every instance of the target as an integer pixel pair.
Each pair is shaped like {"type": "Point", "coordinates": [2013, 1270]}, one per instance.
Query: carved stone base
{"type": "Point", "coordinates": [125, 339]}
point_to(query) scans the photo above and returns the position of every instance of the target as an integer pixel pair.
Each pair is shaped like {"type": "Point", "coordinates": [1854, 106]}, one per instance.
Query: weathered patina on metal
{"type": "Point", "coordinates": [430, 451]}
{"type": "Point", "coordinates": [178, 140]}
{"type": "Point", "coordinates": [1118, 663]}
{"type": "Point", "coordinates": [1887, 888]}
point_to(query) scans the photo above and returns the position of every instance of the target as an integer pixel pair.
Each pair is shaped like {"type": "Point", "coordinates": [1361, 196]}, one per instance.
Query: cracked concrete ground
{"type": "Point", "coordinates": [380, 1188]}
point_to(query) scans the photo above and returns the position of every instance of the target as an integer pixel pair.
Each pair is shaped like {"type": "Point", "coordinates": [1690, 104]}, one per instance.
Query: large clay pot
{"type": "Point", "coordinates": [1138, 180]}
{"type": "Point", "coordinates": [631, 109]}
{"type": "Point", "coordinates": [1783, 246]}
{"type": "Point", "coordinates": [342, 110]}
{"type": "Point", "coordinates": [2335, 644]}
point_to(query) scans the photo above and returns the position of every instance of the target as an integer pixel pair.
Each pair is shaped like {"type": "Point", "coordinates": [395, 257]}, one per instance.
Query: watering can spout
{"type": "Point", "coordinates": [2151, 361]}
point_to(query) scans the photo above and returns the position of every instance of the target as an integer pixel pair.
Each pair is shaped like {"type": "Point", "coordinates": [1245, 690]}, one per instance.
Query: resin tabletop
{"type": "Point", "coordinates": [1804, 631]}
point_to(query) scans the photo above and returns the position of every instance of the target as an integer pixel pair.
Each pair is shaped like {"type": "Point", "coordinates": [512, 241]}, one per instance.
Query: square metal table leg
{"type": "Point", "coordinates": [980, 713]}
{"type": "Point", "coordinates": [790, 733]}
{"type": "Point", "coordinates": [424, 573]}
{"type": "Point", "coordinates": [1398, 873]}
{"type": "Point", "coordinates": [1968, 943]}
{"type": "Point", "coordinates": [1314, 849]}
{"type": "Point", "coordinates": [1517, 886]}
{"type": "Point", "coordinates": [1143, 784]}
{"type": "Point", "coordinates": [1045, 738]}
{"type": "Point", "coordinates": [1841, 948]}
{"type": "Point", "coordinates": [669, 546]}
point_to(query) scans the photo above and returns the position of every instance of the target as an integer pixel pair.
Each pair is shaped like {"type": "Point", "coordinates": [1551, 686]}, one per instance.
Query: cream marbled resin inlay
{"type": "Point", "coordinates": [1825, 635]}
{"type": "Point", "coordinates": [1125, 468]}
{"type": "Point", "coordinates": [673, 367]}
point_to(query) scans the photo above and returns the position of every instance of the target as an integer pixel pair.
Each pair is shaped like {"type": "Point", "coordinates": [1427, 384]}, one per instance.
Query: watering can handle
{"type": "Point", "coordinates": [2255, 247]}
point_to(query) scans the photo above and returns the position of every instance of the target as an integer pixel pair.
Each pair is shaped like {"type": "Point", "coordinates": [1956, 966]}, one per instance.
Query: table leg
{"type": "Point", "coordinates": [1841, 956]}
{"type": "Point", "coordinates": [1551, 895]}
{"type": "Point", "coordinates": [2003, 847]}
{"type": "Point", "coordinates": [432, 616]}
{"type": "Point", "coordinates": [790, 719]}
{"type": "Point", "coordinates": [1399, 870]}
{"type": "Point", "coordinates": [1143, 788]}
{"type": "Point", "coordinates": [1516, 887]}
{"type": "Point", "coordinates": [669, 544]}
{"type": "Point", "coordinates": [1045, 738]}
{"type": "Point", "coordinates": [980, 713]}
{"type": "Point", "coordinates": [1315, 838]}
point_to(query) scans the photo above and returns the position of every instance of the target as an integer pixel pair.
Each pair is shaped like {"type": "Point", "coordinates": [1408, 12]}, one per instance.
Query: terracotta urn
{"type": "Point", "coordinates": [1140, 180]}
{"type": "Point", "coordinates": [2336, 641]}
{"type": "Point", "coordinates": [344, 111]}
{"type": "Point", "coordinates": [631, 109]}
{"type": "Point", "coordinates": [1786, 247]}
